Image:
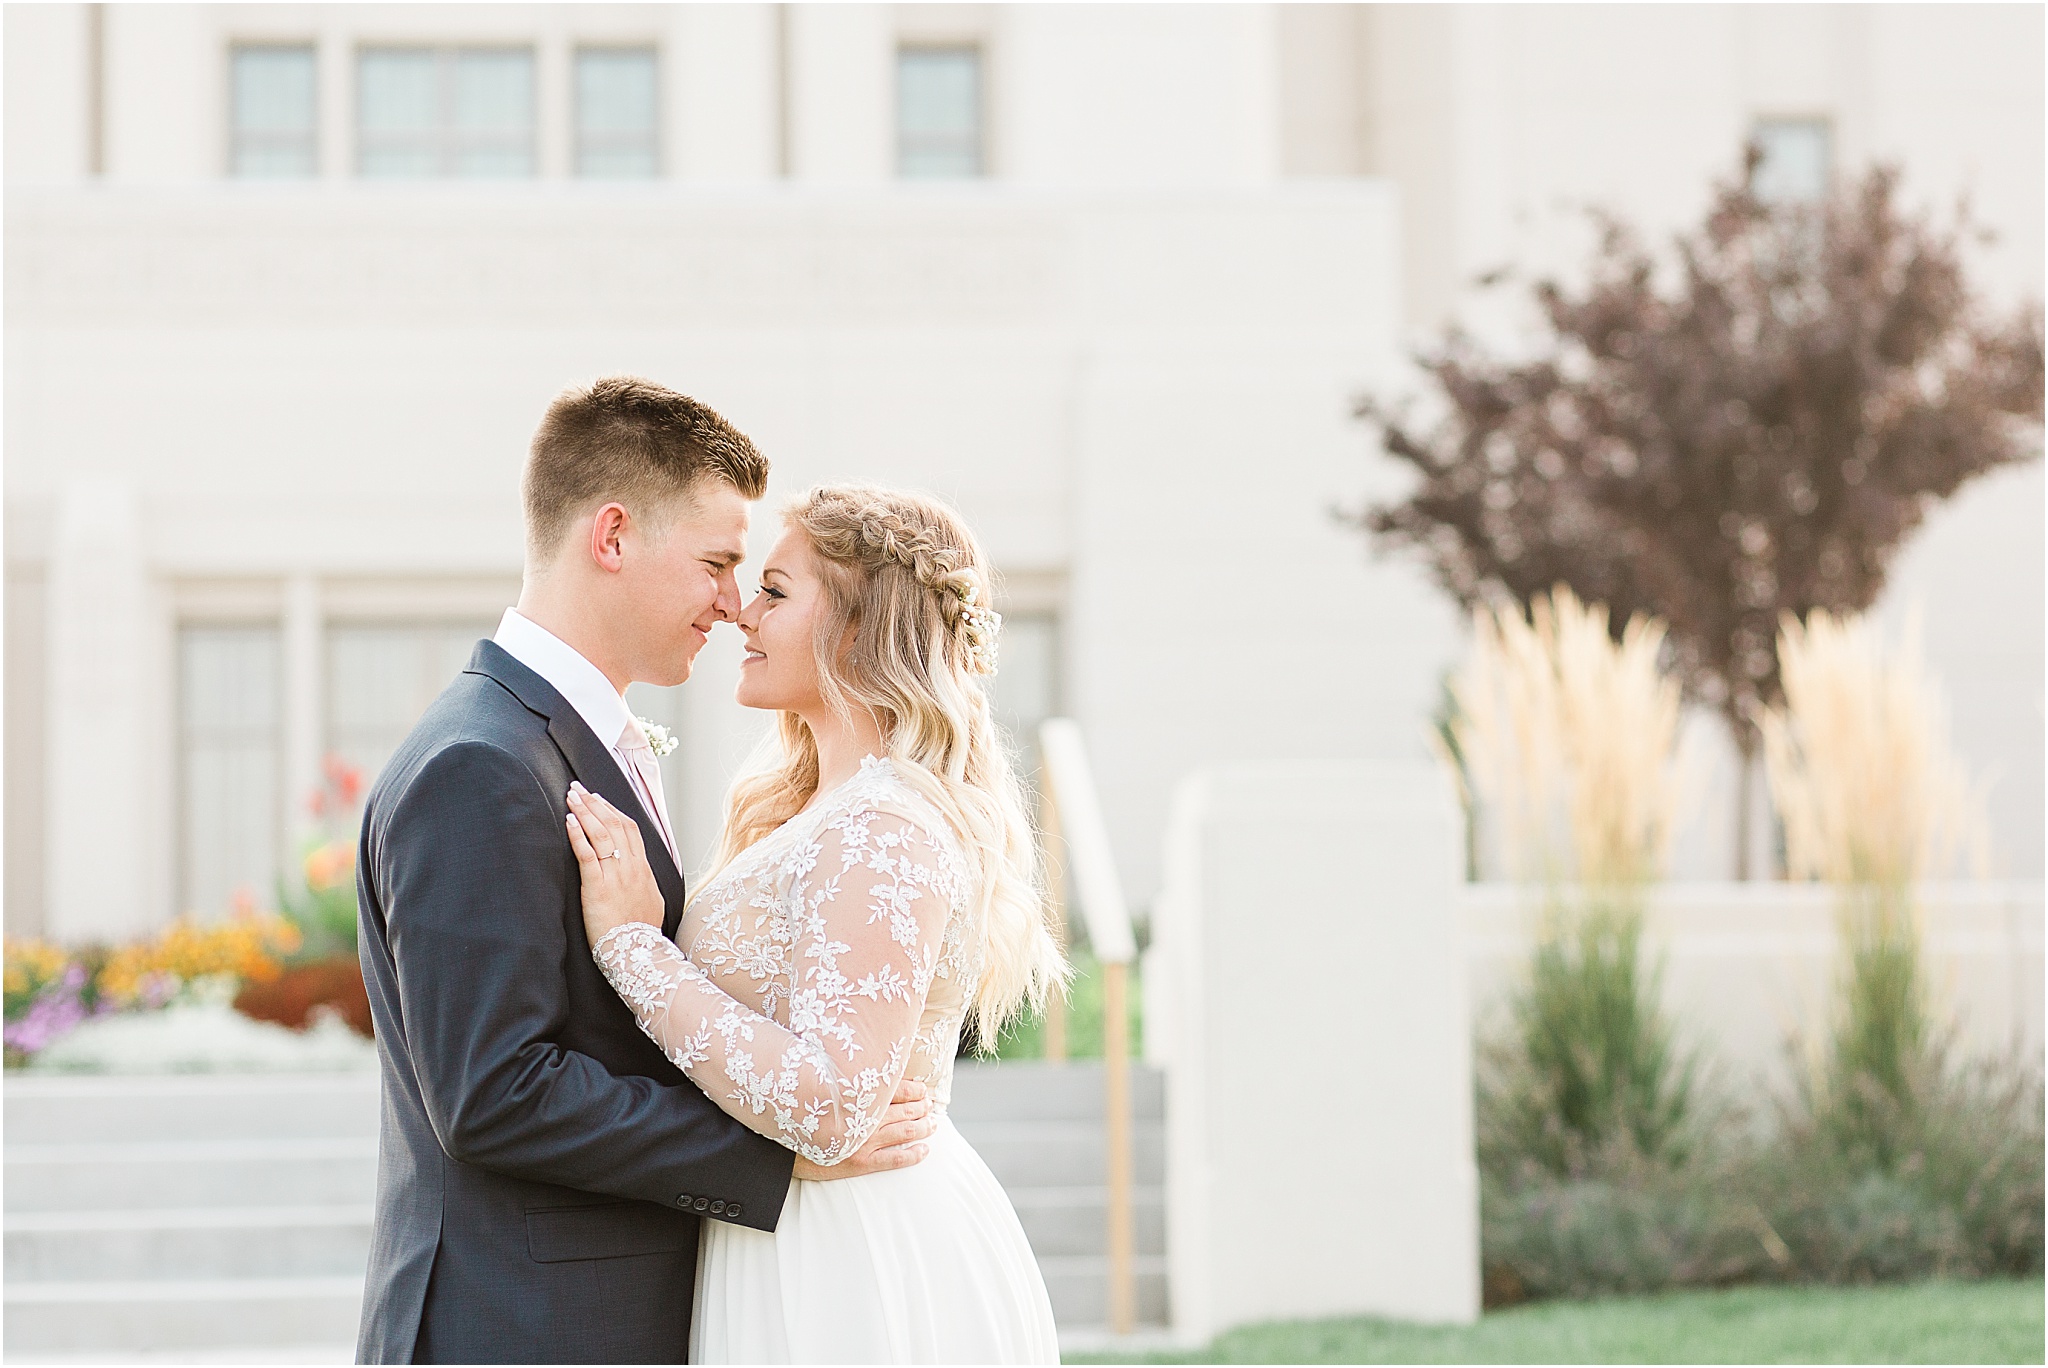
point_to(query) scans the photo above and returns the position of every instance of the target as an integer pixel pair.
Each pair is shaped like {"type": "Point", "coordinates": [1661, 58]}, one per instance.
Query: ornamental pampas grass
{"type": "Point", "coordinates": [1859, 762]}
{"type": "Point", "coordinates": [1873, 800]}
{"type": "Point", "coordinates": [1568, 738]}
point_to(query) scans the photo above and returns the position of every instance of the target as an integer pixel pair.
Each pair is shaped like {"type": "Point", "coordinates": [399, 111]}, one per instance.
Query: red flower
{"type": "Point", "coordinates": [345, 779]}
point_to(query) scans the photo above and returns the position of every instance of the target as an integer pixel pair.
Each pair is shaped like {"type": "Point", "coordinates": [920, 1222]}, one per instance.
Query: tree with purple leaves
{"type": "Point", "coordinates": [1746, 433]}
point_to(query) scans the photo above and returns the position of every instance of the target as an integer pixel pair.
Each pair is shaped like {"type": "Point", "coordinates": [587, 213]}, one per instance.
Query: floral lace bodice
{"type": "Point", "coordinates": [824, 963]}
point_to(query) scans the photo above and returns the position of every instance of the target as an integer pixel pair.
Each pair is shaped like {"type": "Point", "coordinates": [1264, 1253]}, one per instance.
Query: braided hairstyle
{"type": "Point", "coordinates": [908, 637]}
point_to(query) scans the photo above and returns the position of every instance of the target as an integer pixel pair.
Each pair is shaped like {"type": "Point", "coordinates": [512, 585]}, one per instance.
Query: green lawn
{"type": "Point", "coordinates": [1982, 1322]}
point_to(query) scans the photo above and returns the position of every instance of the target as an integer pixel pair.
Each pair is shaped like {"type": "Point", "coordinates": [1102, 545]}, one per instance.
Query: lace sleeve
{"type": "Point", "coordinates": [871, 904]}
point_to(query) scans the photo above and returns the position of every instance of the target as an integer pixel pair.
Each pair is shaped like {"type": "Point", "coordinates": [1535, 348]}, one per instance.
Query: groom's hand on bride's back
{"type": "Point", "coordinates": [895, 1144]}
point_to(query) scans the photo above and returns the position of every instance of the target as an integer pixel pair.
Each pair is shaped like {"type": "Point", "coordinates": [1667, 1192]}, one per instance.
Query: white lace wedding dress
{"type": "Point", "coordinates": [822, 963]}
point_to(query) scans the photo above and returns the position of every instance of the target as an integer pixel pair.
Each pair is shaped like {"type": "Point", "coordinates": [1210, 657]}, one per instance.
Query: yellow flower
{"type": "Point", "coordinates": [248, 945]}
{"type": "Point", "coordinates": [32, 963]}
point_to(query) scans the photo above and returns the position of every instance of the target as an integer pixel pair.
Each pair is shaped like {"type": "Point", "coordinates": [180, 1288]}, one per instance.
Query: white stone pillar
{"type": "Point", "coordinates": [335, 53]}
{"type": "Point", "coordinates": [554, 105]}
{"type": "Point", "coordinates": [97, 842]}
{"type": "Point", "coordinates": [842, 85]}
{"type": "Point", "coordinates": [304, 681]}
{"type": "Point", "coordinates": [721, 93]}
{"type": "Point", "coordinates": [1319, 1088]}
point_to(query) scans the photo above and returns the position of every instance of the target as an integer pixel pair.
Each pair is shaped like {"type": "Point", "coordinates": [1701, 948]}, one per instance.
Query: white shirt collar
{"type": "Point", "coordinates": [573, 677]}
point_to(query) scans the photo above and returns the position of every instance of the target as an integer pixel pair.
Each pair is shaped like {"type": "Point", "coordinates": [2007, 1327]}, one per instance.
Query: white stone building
{"type": "Point", "coordinates": [288, 286]}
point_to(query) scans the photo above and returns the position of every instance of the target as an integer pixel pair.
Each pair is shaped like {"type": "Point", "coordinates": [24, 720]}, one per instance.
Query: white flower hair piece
{"type": "Point", "coordinates": [658, 739]}
{"type": "Point", "coordinates": [979, 625]}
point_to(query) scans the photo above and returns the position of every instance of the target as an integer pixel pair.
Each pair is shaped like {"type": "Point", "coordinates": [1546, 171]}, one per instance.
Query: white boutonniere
{"type": "Point", "coordinates": [658, 739]}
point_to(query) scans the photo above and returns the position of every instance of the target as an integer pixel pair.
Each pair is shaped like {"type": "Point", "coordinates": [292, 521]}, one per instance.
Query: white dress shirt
{"type": "Point", "coordinates": [601, 707]}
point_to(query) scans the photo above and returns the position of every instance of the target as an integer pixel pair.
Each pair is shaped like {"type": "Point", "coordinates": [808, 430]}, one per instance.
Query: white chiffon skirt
{"type": "Point", "coordinates": [921, 1265]}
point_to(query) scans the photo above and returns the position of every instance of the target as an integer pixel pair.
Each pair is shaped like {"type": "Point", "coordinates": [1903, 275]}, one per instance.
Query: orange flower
{"type": "Point", "coordinates": [247, 945]}
{"type": "Point", "coordinates": [330, 865]}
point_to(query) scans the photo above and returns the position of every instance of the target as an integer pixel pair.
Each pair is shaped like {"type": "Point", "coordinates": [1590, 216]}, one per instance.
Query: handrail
{"type": "Point", "coordinates": [1087, 841]}
{"type": "Point", "coordinates": [1074, 818]}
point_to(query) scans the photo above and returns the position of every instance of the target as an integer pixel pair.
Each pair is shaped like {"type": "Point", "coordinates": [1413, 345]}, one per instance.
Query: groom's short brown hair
{"type": "Point", "coordinates": [627, 439]}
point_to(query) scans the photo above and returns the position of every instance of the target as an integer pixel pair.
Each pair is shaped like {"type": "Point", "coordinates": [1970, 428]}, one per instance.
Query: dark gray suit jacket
{"type": "Point", "coordinates": [541, 1166]}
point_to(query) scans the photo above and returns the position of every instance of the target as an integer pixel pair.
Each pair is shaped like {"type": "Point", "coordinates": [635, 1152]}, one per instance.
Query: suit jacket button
{"type": "Point", "coordinates": [683, 1201]}
{"type": "Point", "coordinates": [703, 1204]}
{"type": "Point", "coordinates": [732, 1208]}
{"type": "Point", "coordinates": [718, 1208]}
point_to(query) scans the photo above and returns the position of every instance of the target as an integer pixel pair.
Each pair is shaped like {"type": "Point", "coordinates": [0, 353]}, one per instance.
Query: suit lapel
{"type": "Point", "coordinates": [591, 761]}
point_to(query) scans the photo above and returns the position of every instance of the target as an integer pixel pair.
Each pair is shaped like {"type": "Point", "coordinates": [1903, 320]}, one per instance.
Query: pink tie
{"type": "Point", "coordinates": [640, 756]}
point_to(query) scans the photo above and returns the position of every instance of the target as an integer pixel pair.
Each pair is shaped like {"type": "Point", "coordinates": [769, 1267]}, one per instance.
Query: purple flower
{"type": "Point", "coordinates": [53, 1015]}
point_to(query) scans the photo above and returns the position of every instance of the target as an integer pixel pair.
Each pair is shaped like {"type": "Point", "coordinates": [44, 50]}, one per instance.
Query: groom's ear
{"type": "Point", "coordinates": [607, 535]}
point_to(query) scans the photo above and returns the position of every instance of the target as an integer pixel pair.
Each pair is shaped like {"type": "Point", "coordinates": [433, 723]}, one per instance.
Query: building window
{"type": "Point", "coordinates": [1026, 688]}
{"type": "Point", "coordinates": [272, 112]}
{"type": "Point", "coordinates": [616, 113]}
{"type": "Point", "coordinates": [444, 112]}
{"type": "Point", "coordinates": [381, 678]}
{"type": "Point", "coordinates": [229, 760]}
{"type": "Point", "coordinates": [939, 112]}
{"type": "Point", "coordinates": [1796, 163]}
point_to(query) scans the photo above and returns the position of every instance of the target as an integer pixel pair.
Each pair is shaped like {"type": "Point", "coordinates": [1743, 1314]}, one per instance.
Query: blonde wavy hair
{"type": "Point", "coordinates": [900, 639]}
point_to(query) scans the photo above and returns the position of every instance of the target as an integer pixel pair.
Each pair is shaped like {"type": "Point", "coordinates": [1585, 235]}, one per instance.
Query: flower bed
{"type": "Point", "coordinates": [174, 995]}
{"type": "Point", "coordinates": [53, 991]}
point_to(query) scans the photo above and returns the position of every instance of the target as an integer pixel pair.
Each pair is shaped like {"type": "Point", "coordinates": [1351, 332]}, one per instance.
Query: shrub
{"type": "Point", "coordinates": [1592, 1059]}
{"type": "Point", "coordinates": [324, 913]}
{"type": "Point", "coordinates": [323, 904]}
{"type": "Point", "coordinates": [1936, 1173]}
{"type": "Point", "coordinates": [1950, 1186]}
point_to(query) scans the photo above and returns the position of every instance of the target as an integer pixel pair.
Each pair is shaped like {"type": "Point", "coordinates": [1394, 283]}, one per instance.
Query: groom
{"type": "Point", "coordinates": [542, 1168]}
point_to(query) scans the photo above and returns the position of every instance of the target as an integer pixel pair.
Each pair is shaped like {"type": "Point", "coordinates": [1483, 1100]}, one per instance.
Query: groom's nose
{"type": "Point", "coordinates": [728, 601]}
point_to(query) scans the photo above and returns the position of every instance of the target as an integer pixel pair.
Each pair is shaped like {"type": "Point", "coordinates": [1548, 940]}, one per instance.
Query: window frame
{"type": "Point", "coordinates": [445, 141]}
{"type": "Point", "coordinates": [184, 870]}
{"type": "Point", "coordinates": [579, 140]}
{"type": "Point", "coordinates": [1758, 123]}
{"type": "Point", "coordinates": [979, 49]}
{"type": "Point", "coordinates": [237, 137]}
{"type": "Point", "coordinates": [345, 738]}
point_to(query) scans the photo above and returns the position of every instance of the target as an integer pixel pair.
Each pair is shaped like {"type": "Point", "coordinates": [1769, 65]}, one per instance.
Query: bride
{"type": "Point", "coordinates": [875, 890]}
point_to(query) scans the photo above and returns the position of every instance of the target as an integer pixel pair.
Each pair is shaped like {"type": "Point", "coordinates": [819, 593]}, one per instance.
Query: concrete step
{"type": "Point", "coordinates": [58, 1110]}
{"type": "Point", "coordinates": [1031, 1154]}
{"type": "Point", "coordinates": [227, 1215]}
{"type": "Point", "coordinates": [1039, 1127]}
{"type": "Point", "coordinates": [1032, 1090]}
{"type": "Point", "coordinates": [205, 1243]}
{"type": "Point", "coordinates": [1079, 1288]}
{"type": "Point", "coordinates": [153, 1175]}
{"type": "Point", "coordinates": [155, 1315]}
{"type": "Point", "coordinates": [1063, 1221]}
